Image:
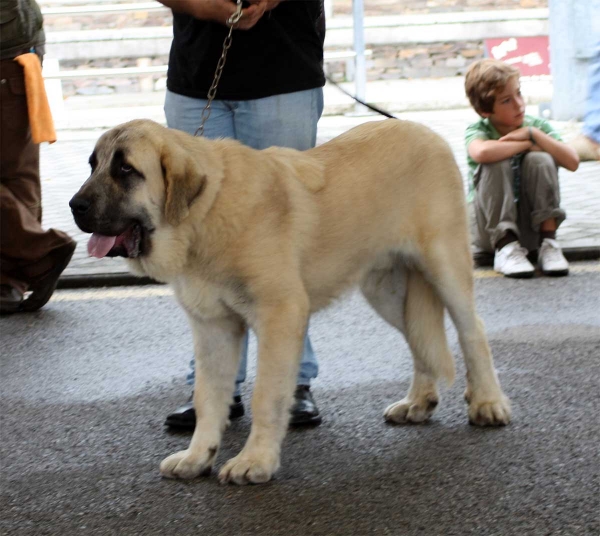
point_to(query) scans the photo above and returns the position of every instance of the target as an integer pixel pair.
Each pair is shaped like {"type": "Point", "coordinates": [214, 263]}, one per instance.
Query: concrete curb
{"type": "Point", "coordinates": [125, 279]}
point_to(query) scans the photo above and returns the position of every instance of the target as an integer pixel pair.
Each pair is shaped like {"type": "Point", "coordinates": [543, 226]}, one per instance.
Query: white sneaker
{"type": "Point", "coordinates": [512, 261]}
{"type": "Point", "coordinates": [551, 259]}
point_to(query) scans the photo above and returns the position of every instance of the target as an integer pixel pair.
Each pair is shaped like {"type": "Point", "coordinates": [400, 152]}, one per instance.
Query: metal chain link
{"type": "Point", "coordinates": [212, 92]}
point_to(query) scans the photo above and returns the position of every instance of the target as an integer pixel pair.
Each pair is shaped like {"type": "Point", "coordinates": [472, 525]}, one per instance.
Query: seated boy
{"type": "Point", "coordinates": [513, 174]}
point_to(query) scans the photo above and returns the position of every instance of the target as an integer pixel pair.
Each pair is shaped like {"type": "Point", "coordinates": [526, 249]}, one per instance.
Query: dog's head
{"type": "Point", "coordinates": [143, 177]}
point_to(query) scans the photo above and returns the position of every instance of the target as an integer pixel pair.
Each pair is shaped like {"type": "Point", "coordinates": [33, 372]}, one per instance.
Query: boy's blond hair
{"type": "Point", "coordinates": [484, 80]}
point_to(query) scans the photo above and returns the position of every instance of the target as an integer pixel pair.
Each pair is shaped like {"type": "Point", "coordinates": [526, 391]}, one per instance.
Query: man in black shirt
{"type": "Point", "coordinates": [270, 93]}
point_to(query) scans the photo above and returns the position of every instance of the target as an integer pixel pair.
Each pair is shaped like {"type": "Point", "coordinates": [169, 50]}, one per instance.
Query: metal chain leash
{"type": "Point", "coordinates": [231, 22]}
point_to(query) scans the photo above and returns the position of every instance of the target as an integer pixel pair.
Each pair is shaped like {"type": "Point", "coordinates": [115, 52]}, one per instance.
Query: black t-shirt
{"type": "Point", "coordinates": [282, 53]}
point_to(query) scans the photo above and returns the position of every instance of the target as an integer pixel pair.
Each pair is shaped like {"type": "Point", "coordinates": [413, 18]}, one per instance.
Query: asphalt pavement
{"type": "Point", "coordinates": [87, 382]}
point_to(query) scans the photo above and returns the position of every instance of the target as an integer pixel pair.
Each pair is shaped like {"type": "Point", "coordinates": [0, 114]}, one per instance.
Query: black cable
{"type": "Point", "coordinates": [308, 62]}
{"type": "Point", "coordinates": [370, 106]}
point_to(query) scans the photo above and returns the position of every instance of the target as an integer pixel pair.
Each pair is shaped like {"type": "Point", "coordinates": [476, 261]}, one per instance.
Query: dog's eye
{"type": "Point", "coordinates": [126, 168]}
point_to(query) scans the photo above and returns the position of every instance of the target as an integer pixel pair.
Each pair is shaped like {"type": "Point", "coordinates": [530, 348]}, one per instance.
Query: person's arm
{"type": "Point", "coordinates": [563, 154]}
{"type": "Point", "coordinates": [214, 10]}
{"type": "Point", "coordinates": [490, 151]}
{"type": "Point", "coordinates": [220, 10]}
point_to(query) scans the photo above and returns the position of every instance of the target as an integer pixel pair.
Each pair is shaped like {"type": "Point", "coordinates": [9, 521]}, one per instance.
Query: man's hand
{"type": "Point", "coordinates": [253, 13]}
{"type": "Point", "coordinates": [270, 4]}
{"type": "Point", "coordinates": [214, 10]}
{"type": "Point", "coordinates": [220, 10]}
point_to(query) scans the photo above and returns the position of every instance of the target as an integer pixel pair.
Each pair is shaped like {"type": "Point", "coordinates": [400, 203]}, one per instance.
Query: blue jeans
{"type": "Point", "coordinates": [591, 122]}
{"type": "Point", "coordinates": [288, 120]}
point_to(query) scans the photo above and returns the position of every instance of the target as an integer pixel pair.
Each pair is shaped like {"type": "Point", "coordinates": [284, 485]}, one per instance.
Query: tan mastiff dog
{"type": "Point", "coordinates": [262, 239]}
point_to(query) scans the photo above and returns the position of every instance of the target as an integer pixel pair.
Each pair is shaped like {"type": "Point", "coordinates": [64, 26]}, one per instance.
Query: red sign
{"type": "Point", "coordinates": [530, 55]}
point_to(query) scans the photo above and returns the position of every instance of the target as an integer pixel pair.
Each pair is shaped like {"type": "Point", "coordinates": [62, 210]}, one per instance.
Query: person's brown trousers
{"type": "Point", "coordinates": [27, 251]}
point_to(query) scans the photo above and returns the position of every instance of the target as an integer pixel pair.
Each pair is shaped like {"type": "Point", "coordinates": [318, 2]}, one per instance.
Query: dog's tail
{"type": "Point", "coordinates": [406, 300]}
{"type": "Point", "coordinates": [425, 331]}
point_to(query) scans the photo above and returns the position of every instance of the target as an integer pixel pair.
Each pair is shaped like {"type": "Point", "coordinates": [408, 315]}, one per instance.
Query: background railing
{"type": "Point", "coordinates": [347, 39]}
{"type": "Point", "coordinates": [342, 42]}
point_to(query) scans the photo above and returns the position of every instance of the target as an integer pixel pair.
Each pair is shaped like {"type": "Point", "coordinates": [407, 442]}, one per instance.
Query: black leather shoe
{"type": "Point", "coordinates": [184, 417]}
{"type": "Point", "coordinates": [304, 411]}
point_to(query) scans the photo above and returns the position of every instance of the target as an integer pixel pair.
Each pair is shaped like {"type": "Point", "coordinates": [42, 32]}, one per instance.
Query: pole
{"type": "Point", "coordinates": [360, 80]}
{"type": "Point", "coordinates": [574, 29]}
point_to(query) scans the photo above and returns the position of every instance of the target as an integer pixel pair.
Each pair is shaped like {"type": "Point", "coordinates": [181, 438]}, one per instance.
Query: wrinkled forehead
{"type": "Point", "coordinates": [129, 144]}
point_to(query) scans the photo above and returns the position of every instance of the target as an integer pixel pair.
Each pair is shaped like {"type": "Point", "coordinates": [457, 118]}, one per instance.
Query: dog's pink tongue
{"type": "Point", "coordinates": [99, 245]}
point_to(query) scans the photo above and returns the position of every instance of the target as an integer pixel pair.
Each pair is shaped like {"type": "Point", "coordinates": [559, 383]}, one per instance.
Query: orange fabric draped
{"type": "Point", "coordinates": [40, 116]}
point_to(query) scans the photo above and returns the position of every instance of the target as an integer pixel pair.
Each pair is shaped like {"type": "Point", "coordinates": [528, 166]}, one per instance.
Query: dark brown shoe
{"type": "Point", "coordinates": [42, 290]}
{"type": "Point", "coordinates": [10, 300]}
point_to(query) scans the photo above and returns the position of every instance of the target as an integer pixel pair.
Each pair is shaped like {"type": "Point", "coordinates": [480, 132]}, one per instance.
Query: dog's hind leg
{"type": "Point", "coordinates": [217, 347]}
{"type": "Point", "coordinates": [405, 300]}
{"type": "Point", "coordinates": [450, 269]}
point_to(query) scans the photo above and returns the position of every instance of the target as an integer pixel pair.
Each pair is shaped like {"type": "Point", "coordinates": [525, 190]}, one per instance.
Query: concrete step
{"type": "Point", "coordinates": [104, 111]}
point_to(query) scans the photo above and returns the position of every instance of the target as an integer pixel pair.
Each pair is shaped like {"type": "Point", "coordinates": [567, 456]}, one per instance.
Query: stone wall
{"type": "Point", "coordinates": [399, 7]}
{"type": "Point", "coordinates": [433, 60]}
{"type": "Point", "coordinates": [386, 62]}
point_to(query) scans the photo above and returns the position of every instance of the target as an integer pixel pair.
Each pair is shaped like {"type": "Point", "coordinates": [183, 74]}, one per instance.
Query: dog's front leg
{"type": "Point", "coordinates": [280, 333]}
{"type": "Point", "coordinates": [217, 346]}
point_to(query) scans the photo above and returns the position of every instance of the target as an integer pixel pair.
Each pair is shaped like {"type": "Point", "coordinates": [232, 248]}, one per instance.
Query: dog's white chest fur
{"type": "Point", "coordinates": [206, 300]}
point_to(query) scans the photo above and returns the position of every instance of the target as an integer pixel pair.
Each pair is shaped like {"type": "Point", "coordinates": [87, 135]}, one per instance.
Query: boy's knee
{"type": "Point", "coordinates": [495, 175]}
{"type": "Point", "coordinates": [540, 169]}
{"type": "Point", "coordinates": [494, 168]}
{"type": "Point", "coordinates": [539, 159]}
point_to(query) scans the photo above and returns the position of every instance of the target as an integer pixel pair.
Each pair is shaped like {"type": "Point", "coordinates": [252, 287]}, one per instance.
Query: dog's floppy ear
{"type": "Point", "coordinates": [184, 182]}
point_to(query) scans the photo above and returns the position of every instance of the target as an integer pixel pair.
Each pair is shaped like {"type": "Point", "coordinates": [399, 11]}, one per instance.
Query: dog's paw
{"type": "Point", "coordinates": [248, 468]}
{"type": "Point", "coordinates": [488, 412]}
{"type": "Point", "coordinates": [411, 411]}
{"type": "Point", "coordinates": [184, 464]}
